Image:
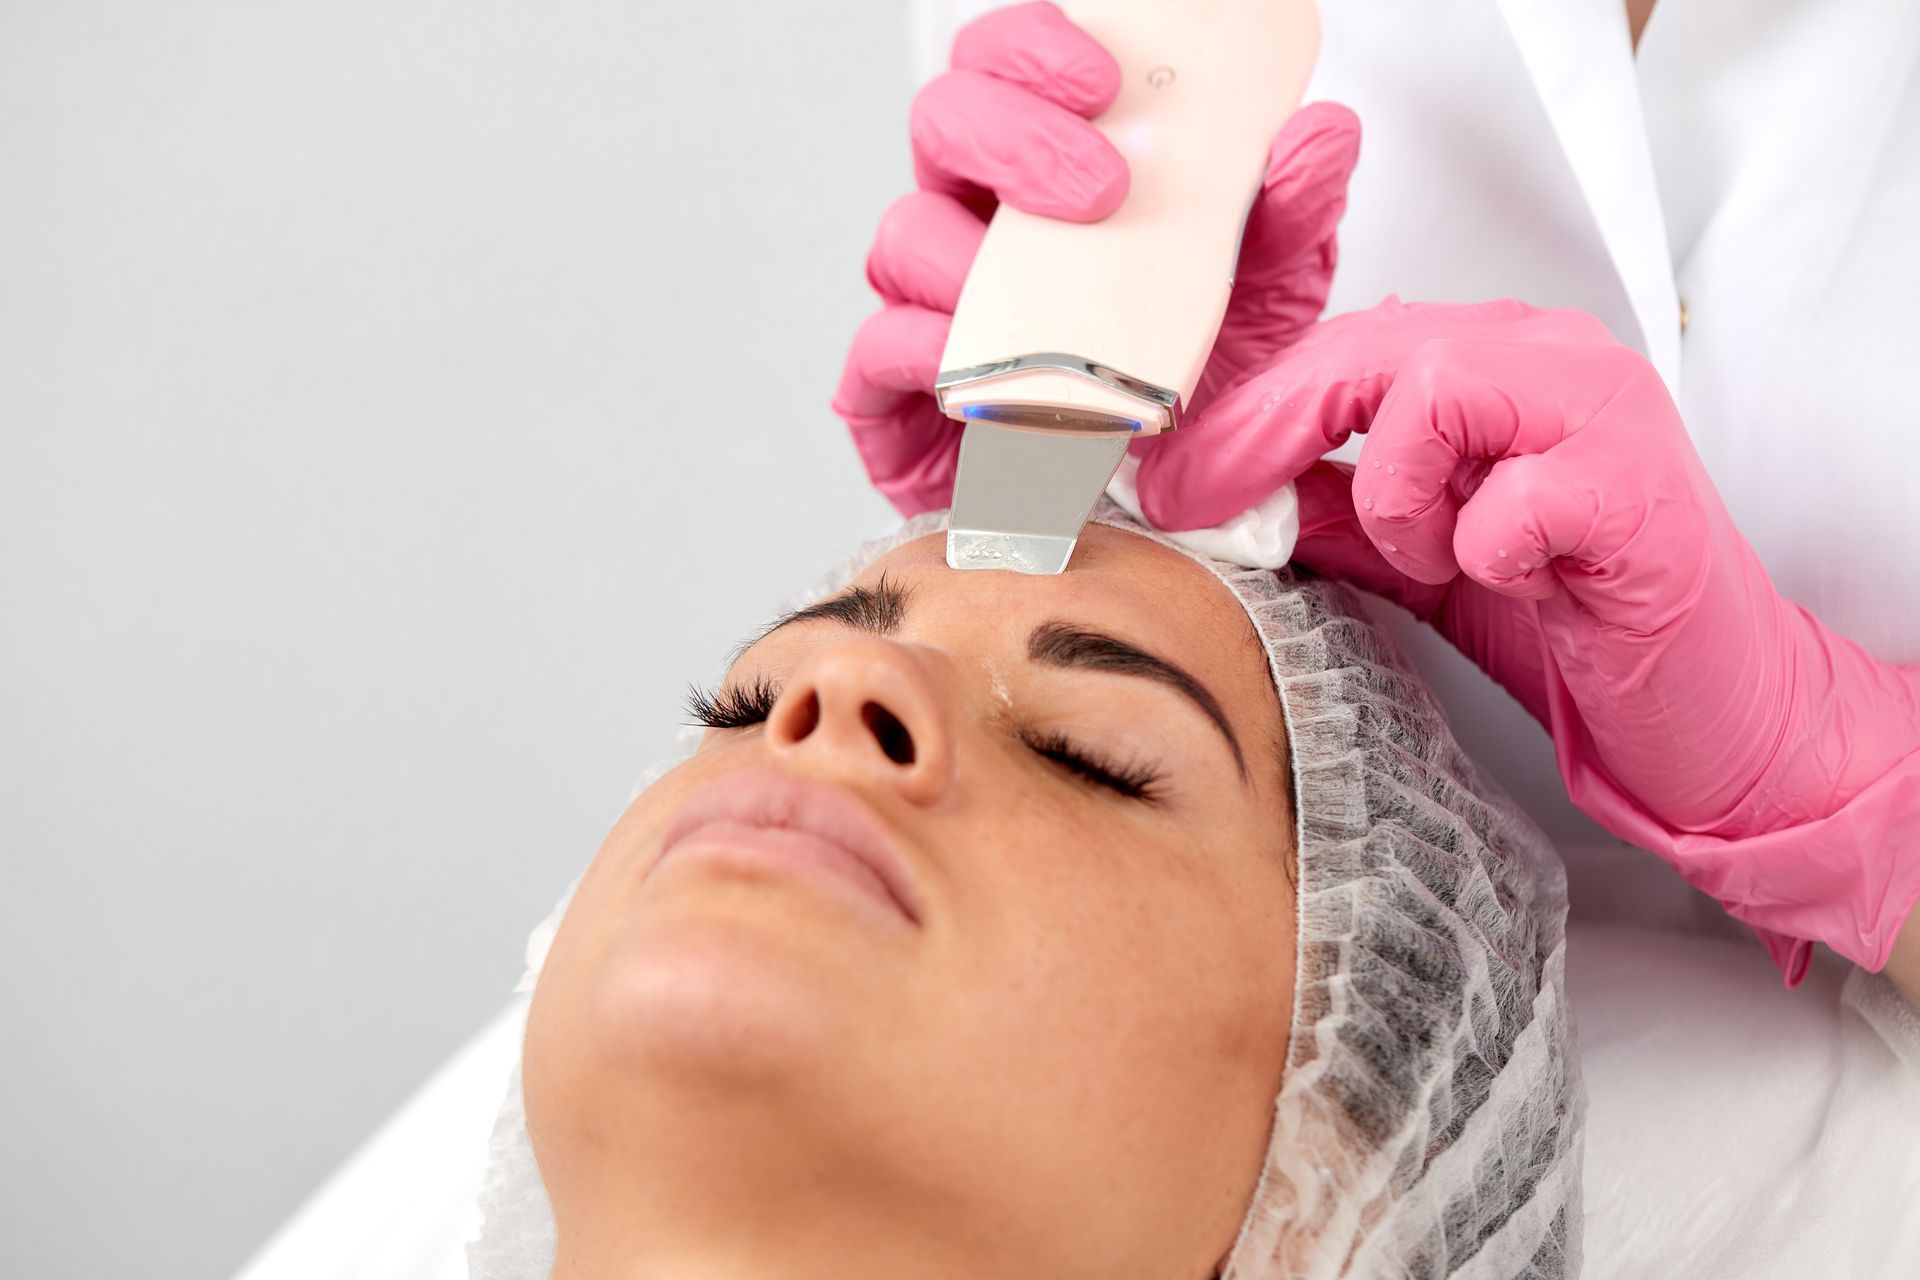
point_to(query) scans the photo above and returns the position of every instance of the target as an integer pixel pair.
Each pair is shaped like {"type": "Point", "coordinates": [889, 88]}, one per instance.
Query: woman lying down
{"type": "Point", "coordinates": [1144, 921]}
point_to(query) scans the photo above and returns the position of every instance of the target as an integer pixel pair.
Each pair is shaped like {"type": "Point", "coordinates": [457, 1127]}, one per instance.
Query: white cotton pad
{"type": "Point", "coordinates": [1260, 537]}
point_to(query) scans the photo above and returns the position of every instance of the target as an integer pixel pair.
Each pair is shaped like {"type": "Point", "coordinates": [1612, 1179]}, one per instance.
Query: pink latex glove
{"type": "Point", "coordinates": [1527, 486]}
{"type": "Point", "coordinates": [1010, 122]}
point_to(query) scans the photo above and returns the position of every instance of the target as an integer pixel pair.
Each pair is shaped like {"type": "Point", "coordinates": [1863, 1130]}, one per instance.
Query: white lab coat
{"type": "Point", "coordinates": [1755, 169]}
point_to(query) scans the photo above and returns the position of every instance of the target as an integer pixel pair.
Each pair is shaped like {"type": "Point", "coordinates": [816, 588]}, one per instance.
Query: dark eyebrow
{"type": "Point", "coordinates": [1061, 644]}
{"type": "Point", "coordinates": [877, 610]}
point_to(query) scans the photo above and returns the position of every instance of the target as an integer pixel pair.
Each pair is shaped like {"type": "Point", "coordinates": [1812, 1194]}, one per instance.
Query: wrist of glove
{"type": "Point", "coordinates": [1823, 844]}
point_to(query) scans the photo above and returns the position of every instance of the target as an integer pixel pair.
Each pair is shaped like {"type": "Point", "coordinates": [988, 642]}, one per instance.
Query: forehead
{"type": "Point", "coordinates": [1146, 593]}
{"type": "Point", "coordinates": [1109, 564]}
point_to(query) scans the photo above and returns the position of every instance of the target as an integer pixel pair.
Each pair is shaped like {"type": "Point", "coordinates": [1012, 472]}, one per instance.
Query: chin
{"type": "Point", "coordinates": [735, 989]}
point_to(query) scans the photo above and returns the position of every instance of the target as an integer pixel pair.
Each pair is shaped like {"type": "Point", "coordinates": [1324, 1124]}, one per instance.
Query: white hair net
{"type": "Point", "coordinates": [1429, 1120]}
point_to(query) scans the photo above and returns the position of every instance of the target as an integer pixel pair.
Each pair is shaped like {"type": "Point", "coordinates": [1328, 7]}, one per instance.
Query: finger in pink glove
{"type": "Point", "coordinates": [1009, 122]}
{"type": "Point", "coordinates": [1694, 711]}
{"type": "Point", "coordinates": [1009, 119]}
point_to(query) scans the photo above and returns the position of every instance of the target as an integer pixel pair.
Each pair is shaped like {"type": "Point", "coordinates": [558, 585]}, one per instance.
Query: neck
{"type": "Point", "coordinates": [1638, 11]}
{"type": "Point", "coordinates": [759, 1201]}
{"type": "Point", "coordinates": [758, 1241]}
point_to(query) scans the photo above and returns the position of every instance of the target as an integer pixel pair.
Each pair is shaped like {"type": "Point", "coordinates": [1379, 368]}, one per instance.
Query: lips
{"type": "Point", "coordinates": [763, 819]}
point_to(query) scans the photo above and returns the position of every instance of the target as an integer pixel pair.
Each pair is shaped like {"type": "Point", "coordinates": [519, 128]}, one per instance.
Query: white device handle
{"type": "Point", "coordinates": [1206, 84]}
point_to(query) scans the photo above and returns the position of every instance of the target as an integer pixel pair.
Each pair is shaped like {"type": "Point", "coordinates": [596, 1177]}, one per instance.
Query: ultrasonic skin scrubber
{"type": "Point", "coordinates": [1072, 340]}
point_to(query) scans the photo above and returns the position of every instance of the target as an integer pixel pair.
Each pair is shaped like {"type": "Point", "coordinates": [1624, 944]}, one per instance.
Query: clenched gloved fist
{"type": "Point", "coordinates": [1527, 485]}
{"type": "Point", "coordinates": [1011, 121]}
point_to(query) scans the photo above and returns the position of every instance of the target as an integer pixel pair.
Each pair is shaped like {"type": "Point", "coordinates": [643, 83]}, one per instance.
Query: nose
{"type": "Point", "coordinates": [868, 710]}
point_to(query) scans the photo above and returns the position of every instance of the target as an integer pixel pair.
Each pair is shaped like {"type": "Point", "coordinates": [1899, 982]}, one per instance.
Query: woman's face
{"type": "Point", "coordinates": [970, 947]}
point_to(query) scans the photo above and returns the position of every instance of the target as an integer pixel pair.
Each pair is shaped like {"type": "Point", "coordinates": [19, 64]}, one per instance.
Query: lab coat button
{"type": "Point", "coordinates": [1683, 315]}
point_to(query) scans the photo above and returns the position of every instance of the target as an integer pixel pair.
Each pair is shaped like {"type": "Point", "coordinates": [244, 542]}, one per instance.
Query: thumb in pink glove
{"type": "Point", "coordinates": [1530, 485]}
{"type": "Point", "coordinates": [1011, 121]}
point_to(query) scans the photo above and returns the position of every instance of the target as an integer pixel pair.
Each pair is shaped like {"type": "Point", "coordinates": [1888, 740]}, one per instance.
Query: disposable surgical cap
{"type": "Point", "coordinates": [1429, 1118]}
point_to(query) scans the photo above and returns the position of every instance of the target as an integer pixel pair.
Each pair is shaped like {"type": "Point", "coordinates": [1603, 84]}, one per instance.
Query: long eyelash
{"type": "Point", "coordinates": [738, 707]}
{"type": "Point", "coordinates": [1136, 782]}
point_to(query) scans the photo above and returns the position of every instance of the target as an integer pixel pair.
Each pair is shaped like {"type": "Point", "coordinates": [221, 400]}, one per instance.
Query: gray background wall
{"type": "Point", "coordinates": [399, 403]}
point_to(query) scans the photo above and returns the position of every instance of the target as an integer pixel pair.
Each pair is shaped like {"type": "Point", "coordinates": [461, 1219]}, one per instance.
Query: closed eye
{"type": "Point", "coordinates": [1136, 782]}
{"type": "Point", "coordinates": [735, 707]}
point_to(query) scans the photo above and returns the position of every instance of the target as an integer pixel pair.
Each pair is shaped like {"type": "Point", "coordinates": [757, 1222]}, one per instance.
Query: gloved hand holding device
{"type": "Point", "coordinates": [1527, 486]}
{"type": "Point", "coordinates": [1010, 121]}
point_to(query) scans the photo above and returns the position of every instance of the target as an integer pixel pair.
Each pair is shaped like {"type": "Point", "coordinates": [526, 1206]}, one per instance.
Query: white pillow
{"type": "Point", "coordinates": [1737, 1130]}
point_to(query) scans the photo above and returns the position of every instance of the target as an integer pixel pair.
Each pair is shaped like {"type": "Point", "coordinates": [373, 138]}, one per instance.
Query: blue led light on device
{"type": "Point", "coordinates": [1035, 417]}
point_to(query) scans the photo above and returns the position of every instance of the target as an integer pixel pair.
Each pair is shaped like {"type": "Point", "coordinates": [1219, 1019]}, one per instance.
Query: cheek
{"type": "Point", "coordinates": [1118, 961]}
{"type": "Point", "coordinates": [589, 931]}
{"type": "Point", "coordinates": [1121, 1023]}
